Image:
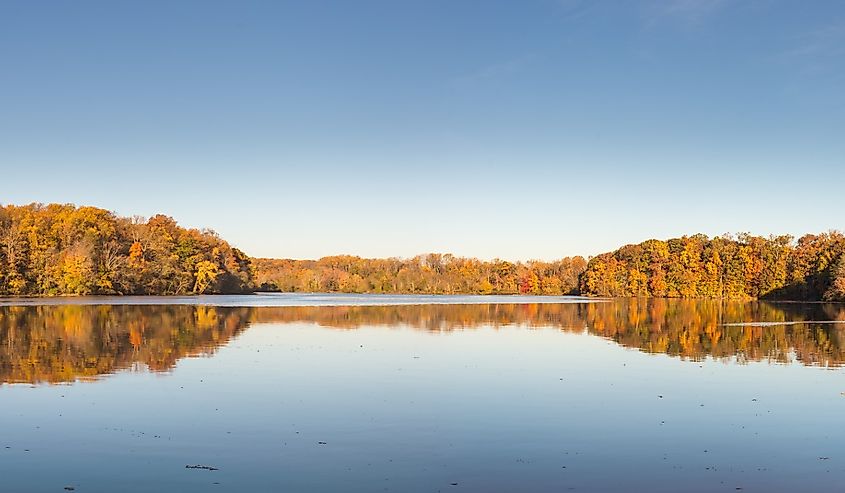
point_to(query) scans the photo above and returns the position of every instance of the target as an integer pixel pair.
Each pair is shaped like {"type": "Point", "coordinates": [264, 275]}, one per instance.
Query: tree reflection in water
{"type": "Point", "coordinates": [65, 343]}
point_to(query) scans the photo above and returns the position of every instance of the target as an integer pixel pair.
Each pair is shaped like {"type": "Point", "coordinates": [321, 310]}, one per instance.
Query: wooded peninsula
{"type": "Point", "coordinates": [61, 249]}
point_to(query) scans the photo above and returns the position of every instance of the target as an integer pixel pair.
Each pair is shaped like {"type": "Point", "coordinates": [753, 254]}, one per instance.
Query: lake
{"type": "Point", "coordinates": [356, 393]}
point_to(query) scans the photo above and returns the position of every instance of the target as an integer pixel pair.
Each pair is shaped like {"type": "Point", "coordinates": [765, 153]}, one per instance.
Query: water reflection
{"type": "Point", "coordinates": [65, 343]}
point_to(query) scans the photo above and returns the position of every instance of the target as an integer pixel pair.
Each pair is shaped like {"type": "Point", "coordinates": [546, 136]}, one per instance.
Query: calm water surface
{"type": "Point", "coordinates": [530, 395]}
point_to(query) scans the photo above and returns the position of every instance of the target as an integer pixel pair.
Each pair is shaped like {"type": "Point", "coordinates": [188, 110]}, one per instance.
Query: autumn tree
{"type": "Point", "coordinates": [740, 267]}
{"type": "Point", "coordinates": [61, 249]}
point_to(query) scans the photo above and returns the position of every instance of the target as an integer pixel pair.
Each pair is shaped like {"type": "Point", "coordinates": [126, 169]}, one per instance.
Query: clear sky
{"type": "Point", "coordinates": [513, 129]}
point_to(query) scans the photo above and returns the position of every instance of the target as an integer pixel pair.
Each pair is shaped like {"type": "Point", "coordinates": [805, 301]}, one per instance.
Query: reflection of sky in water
{"type": "Point", "coordinates": [409, 410]}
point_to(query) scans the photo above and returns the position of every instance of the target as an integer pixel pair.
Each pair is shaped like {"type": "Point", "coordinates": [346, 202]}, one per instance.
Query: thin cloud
{"type": "Point", "coordinates": [817, 59]}
{"type": "Point", "coordinates": [819, 52]}
{"type": "Point", "coordinates": [827, 41]}
{"type": "Point", "coordinates": [496, 70]}
{"type": "Point", "coordinates": [572, 8]}
{"type": "Point", "coordinates": [685, 11]}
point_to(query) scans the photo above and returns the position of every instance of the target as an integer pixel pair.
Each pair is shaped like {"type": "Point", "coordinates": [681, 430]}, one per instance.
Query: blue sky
{"type": "Point", "coordinates": [520, 130]}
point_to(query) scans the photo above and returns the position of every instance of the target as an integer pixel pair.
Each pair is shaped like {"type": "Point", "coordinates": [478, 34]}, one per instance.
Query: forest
{"type": "Point", "coordinates": [424, 274]}
{"type": "Point", "coordinates": [59, 249]}
{"type": "Point", "coordinates": [62, 249]}
{"type": "Point", "coordinates": [734, 267]}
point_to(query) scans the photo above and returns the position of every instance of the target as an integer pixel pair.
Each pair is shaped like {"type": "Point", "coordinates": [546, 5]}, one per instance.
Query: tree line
{"type": "Point", "coordinates": [424, 274]}
{"type": "Point", "coordinates": [737, 267]}
{"type": "Point", "coordinates": [60, 249]}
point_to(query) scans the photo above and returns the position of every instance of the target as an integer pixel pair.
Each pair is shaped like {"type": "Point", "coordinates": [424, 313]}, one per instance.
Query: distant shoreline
{"type": "Point", "coordinates": [296, 299]}
{"type": "Point", "coordinates": [264, 299]}
{"type": "Point", "coordinates": [59, 250]}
